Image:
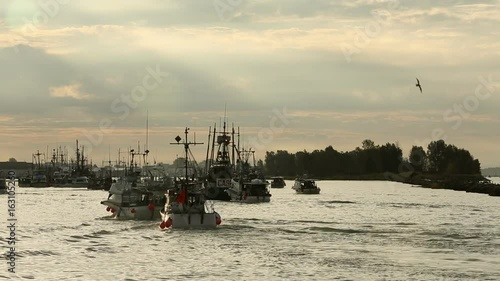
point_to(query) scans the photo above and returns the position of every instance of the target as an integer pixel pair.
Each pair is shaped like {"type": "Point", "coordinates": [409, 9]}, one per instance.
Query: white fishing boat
{"type": "Point", "coordinates": [250, 191]}
{"type": "Point", "coordinates": [306, 186]}
{"type": "Point", "coordinates": [128, 201]}
{"type": "Point", "coordinates": [249, 187]}
{"type": "Point", "coordinates": [78, 182]}
{"type": "Point", "coordinates": [186, 205]}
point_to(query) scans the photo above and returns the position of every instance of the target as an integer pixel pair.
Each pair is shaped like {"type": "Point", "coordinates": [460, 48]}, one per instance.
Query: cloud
{"type": "Point", "coordinates": [71, 91]}
{"type": "Point", "coordinates": [261, 55]}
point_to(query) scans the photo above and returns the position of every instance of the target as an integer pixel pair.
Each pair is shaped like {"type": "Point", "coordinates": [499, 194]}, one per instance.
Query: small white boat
{"type": "Point", "coordinates": [129, 202]}
{"type": "Point", "coordinates": [306, 186]}
{"type": "Point", "coordinates": [186, 205]}
{"type": "Point", "coordinates": [74, 182]}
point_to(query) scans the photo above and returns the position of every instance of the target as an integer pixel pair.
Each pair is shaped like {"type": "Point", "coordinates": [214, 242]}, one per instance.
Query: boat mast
{"type": "Point", "coordinates": [208, 149]}
{"type": "Point", "coordinates": [232, 145]}
{"type": "Point", "coordinates": [186, 144]}
{"type": "Point", "coordinates": [146, 151]}
{"type": "Point", "coordinates": [213, 146]}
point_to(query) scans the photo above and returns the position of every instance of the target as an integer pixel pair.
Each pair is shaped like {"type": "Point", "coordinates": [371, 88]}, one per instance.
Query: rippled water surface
{"type": "Point", "coordinates": [351, 231]}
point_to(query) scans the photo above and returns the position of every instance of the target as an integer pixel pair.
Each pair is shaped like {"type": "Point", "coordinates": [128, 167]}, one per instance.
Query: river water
{"type": "Point", "coordinates": [353, 230]}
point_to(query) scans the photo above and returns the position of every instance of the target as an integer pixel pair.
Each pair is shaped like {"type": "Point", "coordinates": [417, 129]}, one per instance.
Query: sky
{"type": "Point", "coordinates": [291, 74]}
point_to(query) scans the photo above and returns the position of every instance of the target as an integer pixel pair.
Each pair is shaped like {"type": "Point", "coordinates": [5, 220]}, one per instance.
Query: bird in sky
{"type": "Point", "coordinates": [418, 85]}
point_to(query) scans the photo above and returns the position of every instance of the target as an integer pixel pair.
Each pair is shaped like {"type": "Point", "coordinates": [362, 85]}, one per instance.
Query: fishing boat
{"type": "Point", "coordinates": [186, 205]}
{"type": "Point", "coordinates": [76, 173]}
{"type": "Point", "coordinates": [219, 167]}
{"type": "Point", "coordinates": [277, 182]}
{"type": "Point", "coordinates": [78, 182]}
{"type": "Point", "coordinates": [39, 179]}
{"type": "Point", "coordinates": [249, 187]}
{"type": "Point", "coordinates": [129, 198]}
{"type": "Point", "coordinates": [305, 186]}
{"type": "Point", "coordinates": [250, 191]}
{"type": "Point", "coordinates": [128, 201]}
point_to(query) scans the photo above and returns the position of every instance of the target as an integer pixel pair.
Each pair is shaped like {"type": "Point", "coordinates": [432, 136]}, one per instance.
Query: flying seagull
{"type": "Point", "coordinates": [418, 85]}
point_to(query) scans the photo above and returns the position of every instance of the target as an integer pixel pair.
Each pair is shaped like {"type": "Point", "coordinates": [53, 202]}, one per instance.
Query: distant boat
{"type": "Point", "coordinates": [250, 191]}
{"type": "Point", "coordinates": [248, 187]}
{"type": "Point", "coordinates": [78, 182]}
{"type": "Point", "coordinates": [8, 184]}
{"type": "Point", "coordinates": [25, 182]}
{"type": "Point", "coordinates": [306, 186]}
{"type": "Point", "coordinates": [39, 179]}
{"type": "Point", "coordinates": [277, 182]}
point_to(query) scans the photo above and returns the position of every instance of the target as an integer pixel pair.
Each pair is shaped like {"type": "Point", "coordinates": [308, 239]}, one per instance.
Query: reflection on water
{"type": "Point", "coordinates": [351, 231]}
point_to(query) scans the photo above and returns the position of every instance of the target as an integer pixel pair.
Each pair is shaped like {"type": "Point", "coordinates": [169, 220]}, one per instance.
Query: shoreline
{"type": "Point", "coordinates": [467, 183]}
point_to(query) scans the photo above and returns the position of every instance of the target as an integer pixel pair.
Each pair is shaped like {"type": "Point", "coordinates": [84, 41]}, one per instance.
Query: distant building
{"type": "Point", "coordinates": [21, 168]}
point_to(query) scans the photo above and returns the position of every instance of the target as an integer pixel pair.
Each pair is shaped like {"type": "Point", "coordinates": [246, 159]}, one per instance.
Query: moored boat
{"type": "Point", "coordinates": [8, 184]}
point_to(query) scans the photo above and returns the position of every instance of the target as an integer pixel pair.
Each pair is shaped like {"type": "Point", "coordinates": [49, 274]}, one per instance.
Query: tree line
{"type": "Point", "coordinates": [439, 157]}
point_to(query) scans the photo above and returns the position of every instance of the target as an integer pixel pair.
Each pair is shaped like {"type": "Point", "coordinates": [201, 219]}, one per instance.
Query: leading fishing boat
{"type": "Point", "coordinates": [186, 205]}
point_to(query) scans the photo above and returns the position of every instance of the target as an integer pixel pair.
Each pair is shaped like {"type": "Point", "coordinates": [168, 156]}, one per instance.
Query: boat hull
{"type": "Point", "coordinates": [132, 212]}
{"type": "Point", "coordinates": [187, 221]}
{"type": "Point", "coordinates": [237, 197]}
{"type": "Point", "coordinates": [256, 199]}
{"type": "Point", "coordinates": [39, 184]}
{"type": "Point", "coordinates": [217, 193]}
{"type": "Point", "coordinates": [308, 191]}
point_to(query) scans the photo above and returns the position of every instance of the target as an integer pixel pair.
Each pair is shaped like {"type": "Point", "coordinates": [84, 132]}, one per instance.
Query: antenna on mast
{"type": "Point", "coordinates": [225, 117]}
{"type": "Point", "coordinates": [146, 150]}
{"type": "Point", "coordinates": [147, 129]}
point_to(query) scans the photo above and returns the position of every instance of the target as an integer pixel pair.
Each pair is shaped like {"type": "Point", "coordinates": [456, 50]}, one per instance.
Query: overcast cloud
{"type": "Point", "coordinates": [344, 71]}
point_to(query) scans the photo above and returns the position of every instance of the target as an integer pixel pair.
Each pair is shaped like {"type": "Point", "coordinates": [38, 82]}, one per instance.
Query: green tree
{"type": "Point", "coordinates": [436, 154]}
{"type": "Point", "coordinates": [12, 159]}
{"type": "Point", "coordinates": [418, 158]}
{"type": "Point", "coordinates": [368, 144]}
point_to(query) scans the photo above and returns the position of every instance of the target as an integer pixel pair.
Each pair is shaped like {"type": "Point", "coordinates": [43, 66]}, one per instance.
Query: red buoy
{"type": "Point", "coordinates": [151, 207]}
{"type": "Point", "coordinates": [108, 209]}
{"type": "Point", "coordinates": [132, 211]}
{"type": "Point", "coordinates": [168, 223]}
{"type": "Point", "coordinates": [218, 219]}
{"type": "Point", "coordinates": [113, 210]}
{"type": "Point", "coordinates": [162, 225]}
